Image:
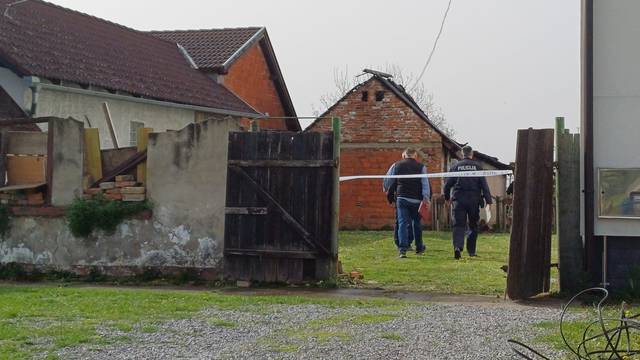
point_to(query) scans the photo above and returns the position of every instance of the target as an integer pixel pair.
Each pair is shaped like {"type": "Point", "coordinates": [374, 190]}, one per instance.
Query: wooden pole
{"type": "Point", "coordinates": [335, 219]}
{"type": "Point", "coordinates": [559, 131]}
{"type": "Point", "coordinates": [107, 115]}
{"type": "Point", "coordinates": [142, 141]}
{"type": "Point", "coordinates": [570, 247]}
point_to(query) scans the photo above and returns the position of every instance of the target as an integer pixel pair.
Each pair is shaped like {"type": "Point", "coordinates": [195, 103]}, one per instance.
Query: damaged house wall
{"type": "Point", "coordinates": [187, 172]}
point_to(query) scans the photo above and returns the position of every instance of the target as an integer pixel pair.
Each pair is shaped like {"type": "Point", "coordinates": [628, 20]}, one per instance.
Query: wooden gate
{"type": "Point", "coordinates": [530, 245]}
{"type": "Point", "coordinates": [281, 207]}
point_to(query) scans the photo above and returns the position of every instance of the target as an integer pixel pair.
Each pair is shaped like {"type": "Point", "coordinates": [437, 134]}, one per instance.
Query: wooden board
{"type": "Point", "coordinates": [92, 157]}
{"type": "Point", "coordinates": [112, 158]}
{"type": "Point", "coordinates": [530, 244]}
{"type": "Point", "coordinates": [142, 141]}
{"type": "Point", "coordinates": [25, 143]}
{"type": "Point", "coordinates": [22, 170]}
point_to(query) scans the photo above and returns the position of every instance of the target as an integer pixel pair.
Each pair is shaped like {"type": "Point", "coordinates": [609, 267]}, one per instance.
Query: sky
{"type": "Point", "coordinates": [500, 65]}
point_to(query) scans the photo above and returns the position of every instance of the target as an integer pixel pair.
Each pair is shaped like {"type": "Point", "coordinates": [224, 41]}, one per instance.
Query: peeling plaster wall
{"type": "Point", "coordinates": [187, 175]}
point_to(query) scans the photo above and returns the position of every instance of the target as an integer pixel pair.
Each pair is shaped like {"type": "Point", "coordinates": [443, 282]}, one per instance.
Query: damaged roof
{"type": "Point", "coordinates": [45, 40]}
{"type": "Point", "coordinates": [452, 145]}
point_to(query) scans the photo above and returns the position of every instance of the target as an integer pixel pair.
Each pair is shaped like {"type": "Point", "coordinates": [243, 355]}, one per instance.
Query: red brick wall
{"type": "Point", "coordinates": [363, 205]}
{"type": "Point", "coordinates": [250, 79]}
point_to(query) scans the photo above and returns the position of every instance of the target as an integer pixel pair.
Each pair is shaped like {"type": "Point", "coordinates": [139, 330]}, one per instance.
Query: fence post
{"type": "Point", "coordinates": [335, 125]}
{"type": "Point", "coordinates": [530, 243]}
{"type": "Point", "coordinates": [570, 249]}
{"type": "Point", "coordinates": [327, 269]}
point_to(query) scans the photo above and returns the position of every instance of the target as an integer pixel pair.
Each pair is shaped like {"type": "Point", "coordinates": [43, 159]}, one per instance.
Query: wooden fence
{"type": "Point", "coordinates": [530, 244]}
{"type": "Point", "coordinates": [570, 248]}
{"type": "Point", "coordinates": [280, 213]}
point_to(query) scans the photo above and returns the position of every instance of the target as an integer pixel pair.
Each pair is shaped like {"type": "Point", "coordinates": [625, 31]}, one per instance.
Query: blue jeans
{"type": "Point", "coordinates": [408, 218]}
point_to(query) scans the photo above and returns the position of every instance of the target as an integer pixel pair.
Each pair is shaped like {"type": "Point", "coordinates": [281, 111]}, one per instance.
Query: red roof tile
{"type": "Point", "coordinates": [43, 39]}
{"type": "Point", "coordinates": [210, 49]}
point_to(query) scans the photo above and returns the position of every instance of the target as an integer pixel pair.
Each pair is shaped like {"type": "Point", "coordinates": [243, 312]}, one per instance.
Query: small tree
{"type": "Point", "coordinates": [344, 82]}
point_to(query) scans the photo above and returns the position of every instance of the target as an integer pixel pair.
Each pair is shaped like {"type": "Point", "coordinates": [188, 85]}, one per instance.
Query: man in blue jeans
{"type": "Point", "coordinates": [390, 191]}
{"type": "Point", "coordinates": [410, 193]}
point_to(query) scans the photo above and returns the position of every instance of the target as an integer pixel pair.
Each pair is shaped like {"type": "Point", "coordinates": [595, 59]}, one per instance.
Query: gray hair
{"type": "Point", "coordinates": [409, 153]}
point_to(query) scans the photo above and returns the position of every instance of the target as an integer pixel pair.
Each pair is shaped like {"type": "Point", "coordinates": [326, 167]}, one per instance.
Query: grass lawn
{"type": "Point", "coordinates": [38, 320]}
{"type": "Point", "coordinates": [575, 329]}
{"type": "Point", "coordinates": [374, 254]}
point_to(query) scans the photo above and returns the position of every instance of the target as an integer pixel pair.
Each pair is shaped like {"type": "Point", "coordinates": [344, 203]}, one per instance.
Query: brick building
{"type": "Point", "coordinates": [379, 120]}
{"type": "Point", "coordinates": [243, 60]}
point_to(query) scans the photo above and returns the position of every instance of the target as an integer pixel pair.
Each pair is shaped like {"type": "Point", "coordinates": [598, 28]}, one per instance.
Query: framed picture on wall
{"type": "Point", "coordinates": [619, 193]}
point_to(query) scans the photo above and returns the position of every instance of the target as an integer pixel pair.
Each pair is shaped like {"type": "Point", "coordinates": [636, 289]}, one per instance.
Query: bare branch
{"type": "Point", "coordinates": [344, 82]}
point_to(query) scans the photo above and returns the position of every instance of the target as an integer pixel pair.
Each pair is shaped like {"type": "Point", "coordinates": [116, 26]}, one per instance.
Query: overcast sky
{"type": "Point", "coordinates": [501, 65]}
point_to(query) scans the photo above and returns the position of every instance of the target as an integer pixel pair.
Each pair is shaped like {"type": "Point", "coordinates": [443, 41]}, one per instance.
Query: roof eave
{"type": "Point", "coordinates": [285, 98]}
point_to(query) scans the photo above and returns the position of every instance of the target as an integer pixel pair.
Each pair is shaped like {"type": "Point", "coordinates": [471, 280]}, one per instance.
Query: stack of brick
{"type": "Point", "coordinates": [124, 188]}
{"type": "Point", "coordinates": [29, 197]}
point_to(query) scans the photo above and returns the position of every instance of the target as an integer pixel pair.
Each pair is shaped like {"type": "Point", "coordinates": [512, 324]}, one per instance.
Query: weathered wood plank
{"type": "Point", "coordinates": [92, 157]}
{"type": "Point", "coordinates": [246, 211]}
{"type": "Point", "coordinates": [142, 141]}
{"type": "Point", "coordinates": [127, 165]}
{"type": "Point", "coordinates": [25, 143]}
{"type": "Point", "coordinates": [272, 253]}
{"type": "Point", "coordinates": [530, 245]}
{"type": "Point", "coordinates": [283, 212]}
{"type": "Point", "coordinates": [282, 163]}
{"type": "Point", "coordinates": [570, 247]}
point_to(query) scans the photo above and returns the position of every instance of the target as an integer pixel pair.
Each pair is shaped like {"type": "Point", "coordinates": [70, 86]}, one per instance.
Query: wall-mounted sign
{"type": "Point", "coordinates": [619, 193]}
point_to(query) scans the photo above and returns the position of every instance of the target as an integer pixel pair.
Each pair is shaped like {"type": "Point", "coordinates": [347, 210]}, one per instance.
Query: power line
{"type": "Point", "coordinates": [435, 44]}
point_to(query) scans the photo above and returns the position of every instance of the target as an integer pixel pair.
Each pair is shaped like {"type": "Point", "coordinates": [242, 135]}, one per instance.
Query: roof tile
{"type": "Point", "coordinates": [210, 48]}
{"type": "Point", "coordinates": [46, 40]}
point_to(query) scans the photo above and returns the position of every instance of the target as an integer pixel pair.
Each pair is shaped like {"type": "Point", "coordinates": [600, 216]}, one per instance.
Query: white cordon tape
{"type": "Point", "coordinates": [481, 173]}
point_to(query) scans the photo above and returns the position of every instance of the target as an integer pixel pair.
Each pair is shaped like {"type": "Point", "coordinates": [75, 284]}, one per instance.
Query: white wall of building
{"type": "Point", "coordinates": [64, 104]}
{"type": "Point", "coordinates": [616, 102]}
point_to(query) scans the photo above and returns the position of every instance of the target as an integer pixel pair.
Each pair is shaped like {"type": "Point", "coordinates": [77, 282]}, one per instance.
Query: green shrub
{"type": "Point", "coordinates": [86, 215]}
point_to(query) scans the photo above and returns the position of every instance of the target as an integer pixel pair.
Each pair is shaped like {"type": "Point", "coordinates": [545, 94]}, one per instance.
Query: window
{"type": "Point", "coordinates": [379, 95]}
{"type": "Point", "coordinates": [365, 96]}
{"type": "Point", "coordinates": [133, 132]}
{"type": "Point", "coordinates": [619, 193]}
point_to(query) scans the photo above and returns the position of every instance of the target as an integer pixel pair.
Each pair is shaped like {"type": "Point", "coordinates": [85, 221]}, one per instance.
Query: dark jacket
{"type": "Point", "coordinates": [467, 188]}
{"type": "Point", "coordinates": [408, 188]}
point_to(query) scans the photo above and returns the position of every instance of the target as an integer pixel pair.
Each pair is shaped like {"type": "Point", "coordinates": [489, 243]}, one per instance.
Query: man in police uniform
{"type": "Point", "coordinates": [469, 195]}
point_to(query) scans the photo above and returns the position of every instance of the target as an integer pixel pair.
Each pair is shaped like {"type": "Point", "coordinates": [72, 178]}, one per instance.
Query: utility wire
{"type": "Point", "coordinates": [435, 44]}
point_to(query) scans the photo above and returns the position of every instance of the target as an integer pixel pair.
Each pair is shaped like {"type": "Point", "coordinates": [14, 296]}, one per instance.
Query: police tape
{"type": "Point", "coordinates": [481, 173]}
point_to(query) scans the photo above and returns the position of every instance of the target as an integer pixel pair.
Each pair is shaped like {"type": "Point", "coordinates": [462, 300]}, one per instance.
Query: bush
{"type": "Point", "coordinates": [85, 215]}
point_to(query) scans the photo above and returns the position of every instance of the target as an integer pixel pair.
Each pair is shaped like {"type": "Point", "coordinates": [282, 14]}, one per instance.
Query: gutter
{"type": "Point", "coordinates": [148, 101]}
{"type": "Point", "coordinates": [591, 253]}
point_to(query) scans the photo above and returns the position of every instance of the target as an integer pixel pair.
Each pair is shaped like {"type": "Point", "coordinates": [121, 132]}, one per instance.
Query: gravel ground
{"type": "Point", "coordinates": [430, 331]}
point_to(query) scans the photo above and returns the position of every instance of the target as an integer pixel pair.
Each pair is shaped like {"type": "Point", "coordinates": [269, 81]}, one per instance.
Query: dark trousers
{"type": "Point", "coordinates": [408, 219]}
{"type": "Point", "coordinates": [465, 211]}
{"type": "Point", "coordinates": [395, 233]}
